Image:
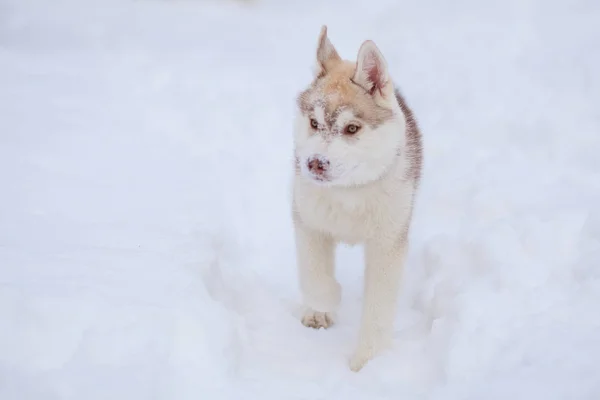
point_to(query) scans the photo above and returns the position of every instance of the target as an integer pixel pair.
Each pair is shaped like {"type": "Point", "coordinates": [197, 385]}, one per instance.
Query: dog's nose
{"type": "Point", "coordinates": [317, 165]}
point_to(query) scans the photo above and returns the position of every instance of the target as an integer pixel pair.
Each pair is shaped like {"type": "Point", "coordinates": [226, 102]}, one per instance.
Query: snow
{"type": "Point", "coordinates": [146, 248]}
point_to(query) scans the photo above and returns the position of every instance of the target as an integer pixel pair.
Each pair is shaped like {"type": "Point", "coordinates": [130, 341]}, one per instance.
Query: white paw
{"type": "Point", "coordinates": [367, 350]}
{"type": "Point", "coordinates": [359, 360]}
{"type": "Point", "coordinates": [317, 319]}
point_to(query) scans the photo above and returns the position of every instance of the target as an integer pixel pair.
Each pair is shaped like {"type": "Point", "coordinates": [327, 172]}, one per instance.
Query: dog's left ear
{"type": "Point", "coordinates": [371, 69]}
{"type": "Point", "coordinates": [327, 55]}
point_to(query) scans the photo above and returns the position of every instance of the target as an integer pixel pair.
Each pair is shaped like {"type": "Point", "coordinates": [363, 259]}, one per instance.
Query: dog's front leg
{"type": "Point", "coordinates": [320, 290]}
{"type": "Point", "coordinates": [384, 264]}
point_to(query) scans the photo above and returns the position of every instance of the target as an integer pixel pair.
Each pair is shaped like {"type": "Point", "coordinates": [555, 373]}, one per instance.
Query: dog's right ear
{"type": "Point", "coordinates": [371, 69]}
{"type": "Point", "coordinates": [327, 56]}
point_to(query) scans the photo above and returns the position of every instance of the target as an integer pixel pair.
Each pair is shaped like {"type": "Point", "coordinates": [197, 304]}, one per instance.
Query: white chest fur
{"type": "Point", "coordinates": [352, 215]}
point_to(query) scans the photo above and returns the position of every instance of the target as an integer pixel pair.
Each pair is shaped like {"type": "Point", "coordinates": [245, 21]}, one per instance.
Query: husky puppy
{"type": "Point", "coordinates": [358, 157]}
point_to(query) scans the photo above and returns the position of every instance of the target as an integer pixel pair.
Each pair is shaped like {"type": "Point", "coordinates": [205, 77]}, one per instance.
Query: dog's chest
{"type": "Point", "coordinates": [349, 216]}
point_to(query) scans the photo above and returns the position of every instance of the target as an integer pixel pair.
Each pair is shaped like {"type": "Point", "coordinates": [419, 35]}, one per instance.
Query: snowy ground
{"type": "Point", "coordinates": [146, 249]}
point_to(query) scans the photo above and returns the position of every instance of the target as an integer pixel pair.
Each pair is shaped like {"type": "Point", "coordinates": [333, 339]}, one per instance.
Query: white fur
{"type": "Point", "coordinates": [365, 199]}
{"type": "Point", "coordinates": [375, 215]}
{"type": "Point", "coordinates": [352, 162]}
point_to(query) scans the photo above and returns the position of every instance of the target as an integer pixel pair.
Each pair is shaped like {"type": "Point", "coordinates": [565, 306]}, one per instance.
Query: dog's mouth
{"type": "Point", "coordinates": [319, 179]}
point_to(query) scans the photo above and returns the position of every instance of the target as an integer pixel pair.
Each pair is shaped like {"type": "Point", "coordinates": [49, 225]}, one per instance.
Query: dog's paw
{"type": "Point", "coordinates": [317, 319]}
{"type": "Point", "coordinates": [359, 360]}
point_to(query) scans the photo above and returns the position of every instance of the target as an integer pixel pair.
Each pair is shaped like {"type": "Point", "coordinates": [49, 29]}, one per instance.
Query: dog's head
{"type": "Point", "coordinates": [349, 126]}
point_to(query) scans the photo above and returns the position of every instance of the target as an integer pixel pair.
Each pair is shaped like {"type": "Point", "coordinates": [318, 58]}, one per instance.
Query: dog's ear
{"type": "Point", "coordinates": [371, 69]}
{"type": "Point", "coordinates": [327, 56]}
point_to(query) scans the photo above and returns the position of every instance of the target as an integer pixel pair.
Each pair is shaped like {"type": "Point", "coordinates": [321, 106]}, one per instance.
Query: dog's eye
{"type": "Point", "coordinates": [313, 123]}
{"type": "Point", "coordinates": [352, 129]}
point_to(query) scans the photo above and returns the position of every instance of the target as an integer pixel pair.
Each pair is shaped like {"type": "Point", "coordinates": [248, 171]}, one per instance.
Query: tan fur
{"type": "Point", "coordinates": [337, 92]}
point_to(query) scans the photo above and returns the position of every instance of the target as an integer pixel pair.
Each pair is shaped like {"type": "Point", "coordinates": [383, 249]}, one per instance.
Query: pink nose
{"type": "Point", "coordinates": [317, 165]}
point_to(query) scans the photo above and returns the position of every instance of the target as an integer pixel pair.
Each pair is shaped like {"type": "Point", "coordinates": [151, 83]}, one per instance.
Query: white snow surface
{"type": "Point", "coordinates": [146, 246]}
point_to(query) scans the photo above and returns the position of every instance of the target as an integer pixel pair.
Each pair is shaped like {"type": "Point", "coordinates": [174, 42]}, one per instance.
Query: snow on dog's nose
{"type": "Point", "coordinates": [318, 165]}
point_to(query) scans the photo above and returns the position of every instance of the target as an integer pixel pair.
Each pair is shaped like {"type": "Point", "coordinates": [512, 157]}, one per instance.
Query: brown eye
{"type": "Point", "coordinates": [313, 123]}
{"type": "Point", "coordinates": [352, 129]}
